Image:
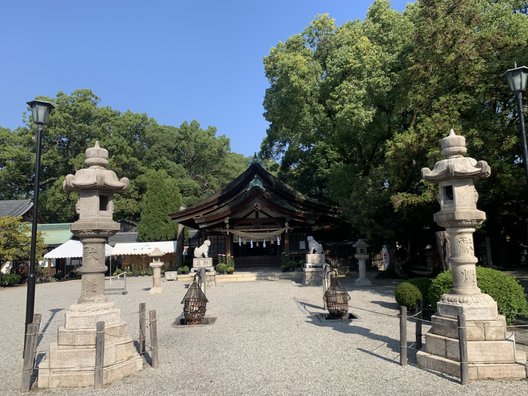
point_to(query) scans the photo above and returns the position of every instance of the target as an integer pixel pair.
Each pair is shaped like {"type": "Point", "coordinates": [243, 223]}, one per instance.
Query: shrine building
{"type": "Point", "coordinates": [255, 219]}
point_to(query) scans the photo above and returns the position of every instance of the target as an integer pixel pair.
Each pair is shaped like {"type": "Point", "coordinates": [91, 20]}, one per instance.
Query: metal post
{"type": "Point", "coordinates": [142, 327]}
{"type": "Point", "coordinates": [153, 339]}
{"type": "Point", "coordinates": [99, 354]}
{"type": "Point", "coordinates": [462, 344]}
{"type": "Point", "coordinates": [29, 356]}
{"type": "Point", "coordinates": [523, 135]}
{"type": "Point", "coordinates": [30, 299]}
{"type": "Point", "coordinates": [403, 336]}
{"type": "Point", "coordinates": [418, 331]}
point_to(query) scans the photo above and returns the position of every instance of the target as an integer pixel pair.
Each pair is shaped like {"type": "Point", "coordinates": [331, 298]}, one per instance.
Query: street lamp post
{"type": "Point", "coordinates": [517, 78]}
{"type": "Point", "coordinates": [40, 111]}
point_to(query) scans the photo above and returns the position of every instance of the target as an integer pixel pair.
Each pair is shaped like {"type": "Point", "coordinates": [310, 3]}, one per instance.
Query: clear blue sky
{"type": "Point", "coordinates": [173, 60]}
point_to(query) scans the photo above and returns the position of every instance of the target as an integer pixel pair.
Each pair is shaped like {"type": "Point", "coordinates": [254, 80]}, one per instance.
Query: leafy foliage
{"type": "Point", "coordinates": [503, 288]}
{"type": "Point", "coordinates": [161, 199]}
{"type": "Point", "coordinates": [9, 279]}
{"type": "Point", "coordinates": [356, 111]}
{"type": "Point", "coordinates": [15, 240]}
{"type": "Point", "coordinates": [196, 160]}
{"type": "Point", "coordinates": [408, 295]}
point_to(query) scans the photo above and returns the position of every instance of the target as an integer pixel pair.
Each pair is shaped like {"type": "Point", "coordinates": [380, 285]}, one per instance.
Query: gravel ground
{"type": "Point", "coordinates": [268, 339]}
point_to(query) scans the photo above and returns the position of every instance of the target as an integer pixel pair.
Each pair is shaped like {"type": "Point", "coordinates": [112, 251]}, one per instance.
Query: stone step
{"type": "Point", "coordinates": [502, 351]}
{"type": "Point", "coordinates": [77, 377]}
{"type": "Point", "coordinates": [86, 337]}
{"type": "Point", "coordinates": [479, 330]}
{"type": "Point", "coordinates": [83, 357]}
{"type": "Point", "coordinates": [476, 371]}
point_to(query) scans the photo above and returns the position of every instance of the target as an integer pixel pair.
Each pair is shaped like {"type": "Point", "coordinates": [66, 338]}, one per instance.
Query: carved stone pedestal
{"type": "Point", "coordinates": [202, 262]}
{"type": "Point", "coordinates": [313, 276]}
{"type": "Point", "coordinates": [315, 260]}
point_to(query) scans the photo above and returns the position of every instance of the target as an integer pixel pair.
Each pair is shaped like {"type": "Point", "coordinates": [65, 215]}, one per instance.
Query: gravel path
{"type": "Point", "coordinates": [268, 339]}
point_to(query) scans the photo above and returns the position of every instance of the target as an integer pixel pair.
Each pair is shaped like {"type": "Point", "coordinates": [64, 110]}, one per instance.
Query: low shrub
{"type": "Point", "coordinates": [221, 268]}
{"type": "Point", "coordinates": [9, 280]}
{"type": "Point", "coordinates": [503, 288]}
{"type": "Point", "coordinates": [289, 266]}
{"type": "Point", "coordinates": [408, 295]}
{"type": "Point", "coordinates": [230, 270]}
{"type": "Point", "coordinates": [183, 269]}
{"type": "Point", "coordinates": [423, 284]}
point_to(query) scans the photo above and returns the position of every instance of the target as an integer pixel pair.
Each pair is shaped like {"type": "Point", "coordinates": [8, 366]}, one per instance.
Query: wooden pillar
{"type": "Point", "coordinates": [179, 247]}
{"type": "Point", "coordinates": [287, 243]}
{"type": "Point", "coordinates": [229, 245]}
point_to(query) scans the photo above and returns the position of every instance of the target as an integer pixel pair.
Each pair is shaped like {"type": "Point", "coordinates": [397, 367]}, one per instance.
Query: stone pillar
{"type": "Point", "coordinates": [71, 360]}
{"type": "Point", "coordinates": [489, 353]}
{"type": "Point", "coordinates": [156, 265]}
{"type": "Point", "coordinates": [362, 256]}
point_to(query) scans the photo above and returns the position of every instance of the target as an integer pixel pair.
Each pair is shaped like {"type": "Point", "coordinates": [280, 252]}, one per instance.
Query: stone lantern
{"type": "Point", "coordinates": [71, 360]}
{"type": "Point", "coordinates": [156, 265]}
{"type": "Point", "coordinates": [362, 256]}
{"type": "Point", "coordinates": [490, 355]}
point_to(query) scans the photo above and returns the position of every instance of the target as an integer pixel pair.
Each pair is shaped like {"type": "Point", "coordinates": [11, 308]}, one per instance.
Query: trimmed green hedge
{"type": "Point", "coordinates": [423, 284]}
{"type": "Point", "coordinates": [408, 295]}
{"type": "Point", "coordinates": [503, 288]}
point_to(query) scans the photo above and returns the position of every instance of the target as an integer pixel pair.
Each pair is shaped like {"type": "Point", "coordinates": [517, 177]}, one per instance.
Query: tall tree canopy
{"type": "Point", "coordinates": [196, 160]}
{"type": "Point", "coordinates": [161, 198]}
{"type": "Point", "coordinates": [356, 110]}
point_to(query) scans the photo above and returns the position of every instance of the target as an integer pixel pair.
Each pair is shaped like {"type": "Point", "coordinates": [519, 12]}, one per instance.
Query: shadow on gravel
{"type": "Point", "coordinates": [386, 304]}
{"type": "Point", "coordinates": [54, 312]}
{"type": "Point", "coordinates": [347, 327]}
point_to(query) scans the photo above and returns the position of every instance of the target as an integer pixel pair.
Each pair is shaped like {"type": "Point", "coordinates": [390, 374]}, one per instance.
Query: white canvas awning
{"type": "Point", "coordinates": [143, 248]}
{"type": "Point", "coordinates": [72, 249]}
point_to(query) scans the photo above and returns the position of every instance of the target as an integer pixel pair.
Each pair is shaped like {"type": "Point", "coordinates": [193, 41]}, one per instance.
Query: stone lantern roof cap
{"type": "Point", "coordinates": [156, 253]}
{"type": "Point", "coordinates": [455, 165]}
{"type": "Point", "coordinates": [95, 176]}
{"type": "Point", "coordinates": [453, 145]}
{"type": "Point", "coordinates": [361, 244]}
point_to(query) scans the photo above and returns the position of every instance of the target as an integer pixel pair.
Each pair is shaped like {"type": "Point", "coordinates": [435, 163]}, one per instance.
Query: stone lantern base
{"type": "Point", "coordinates": [71, 360]}
{"type": "Point", "coordinates": [491, 350]}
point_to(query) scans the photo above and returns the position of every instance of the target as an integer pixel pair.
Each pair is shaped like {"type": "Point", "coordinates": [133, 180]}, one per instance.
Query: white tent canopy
{"type": "Point", "coordinates": [143, 248]}
{"type": "Point", "coordinates": [72, 249]}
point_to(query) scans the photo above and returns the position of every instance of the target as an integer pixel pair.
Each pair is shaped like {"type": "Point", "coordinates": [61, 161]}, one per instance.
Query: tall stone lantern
{"type": "Point", "coordinates": [71, 361]}
{"type": "Point", "coordinates": [490, 355]}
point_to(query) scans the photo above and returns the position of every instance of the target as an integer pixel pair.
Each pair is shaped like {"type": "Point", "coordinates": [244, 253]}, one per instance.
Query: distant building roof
{"type": "Point", "coordinates": [15, 208]}
{"type": "Point", "coordinates": [55, 234]}
{"type": "Point", "coordinates": [122, 237]}
{"type": "Point", "coordinates": [143, 248]}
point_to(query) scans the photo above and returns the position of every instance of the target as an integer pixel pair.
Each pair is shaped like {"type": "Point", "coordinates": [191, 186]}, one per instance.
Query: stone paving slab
{"type": "Point", "coordinates": [269, 338]}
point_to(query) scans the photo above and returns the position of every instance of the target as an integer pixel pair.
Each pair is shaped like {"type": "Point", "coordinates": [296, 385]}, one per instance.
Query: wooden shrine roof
{"type": "Point", "coordinates": [256, 198]}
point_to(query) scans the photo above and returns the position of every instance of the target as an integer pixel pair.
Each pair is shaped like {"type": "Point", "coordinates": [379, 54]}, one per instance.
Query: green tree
{"type": "Point", "coordinates": [199, 161]}
{"type": "Point", "coordinates": [356, 111]}
{"type": "Point", "coordinates": [15, 240]}
{"type": "Point", "coordinates": [161, 198]}
{"type": "Point", "coordinates": [331, 107]}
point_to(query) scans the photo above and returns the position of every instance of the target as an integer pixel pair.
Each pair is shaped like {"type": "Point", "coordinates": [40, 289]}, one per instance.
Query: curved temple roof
{"type": "Point", "coordinates": [256, 197]}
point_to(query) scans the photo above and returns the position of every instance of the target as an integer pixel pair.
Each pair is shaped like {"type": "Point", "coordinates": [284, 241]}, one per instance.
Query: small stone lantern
{"type": "Point", "coordinates": [156, 265]}
{"type": "Point", "coordinates": [362, 256]}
